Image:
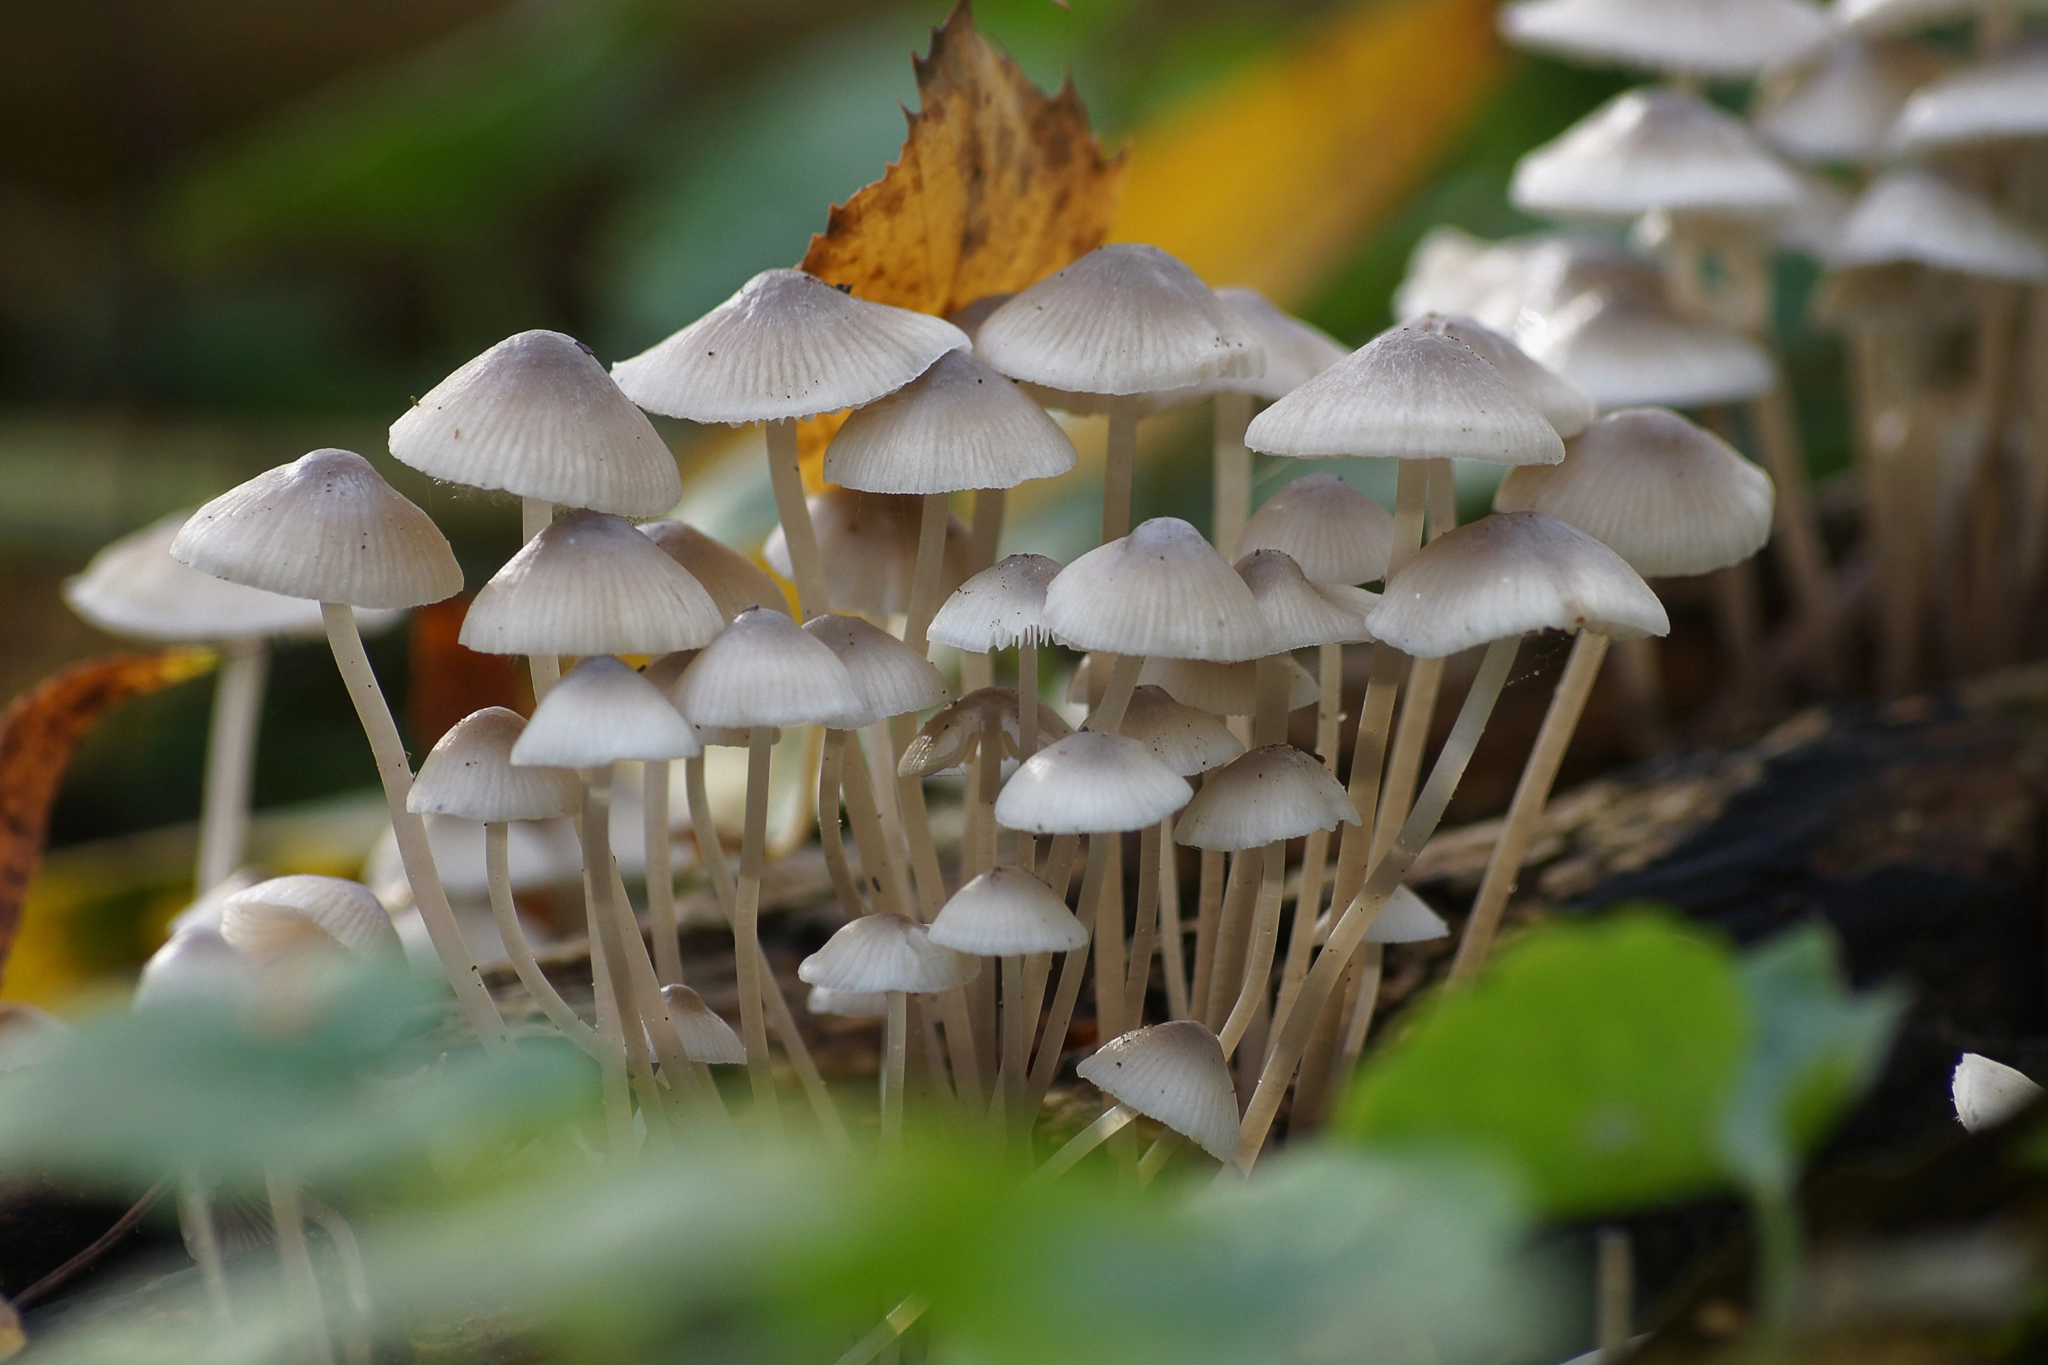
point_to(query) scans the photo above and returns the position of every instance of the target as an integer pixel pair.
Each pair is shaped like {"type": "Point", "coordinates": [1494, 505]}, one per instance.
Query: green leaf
{"type": "Point", "coordinates": [1594, 1060]}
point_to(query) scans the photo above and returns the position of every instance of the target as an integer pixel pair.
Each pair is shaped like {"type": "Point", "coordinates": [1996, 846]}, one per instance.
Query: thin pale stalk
{"type": "Point", "coordinates": [1269, 720]}
{"type": "Point", "coordinates": [1157, 1155]}
{"type": "Point", "coordinates": [986, 531]}
{"type": "Point", "coordinates": [355, 1278]}
{"type": "Point", "coordinates": [202, 1234]}
{"type": "Point", "coordinates": [605, 915]}
{"type": "Point", "coordinates": [1525, 810]}
{"type": "Point", "coordinates": [1232, 471]}
{"type": "Point", "coordinates": [413, 850]}
{"type": "Point", "coordinates": [1027, 698]}
{"type": "Point", "coordinates": [1301, 931]}
{"type": "Point", "coordinates": [1172, 950]}
{"type": "Point", "coordinates": [1319, 1058]}
{"type": "Point", "coordinates": [1808, 576]}
{"type": "Point", "coordinates": [1411, 737]}
{"type": "Point", "coordinates": [545, 670]}
{"type": "Point", "coordinates": [1105, 912]}
{"type": "Point", "coordinates": [1614, 1295]}
{"type": "Point", "coordinates": [1258, 966]}
{"type": "Point", "coordinates": [498, 874]}
{"type": "Point", "coordinates": [677, 1068]}
{"type": "Point", "coordinates": [1368, 762]}
{"type": "Point", "coordinates": [611, 1064]}
{"type": "Point", "coordinates": [988, 786]}
{"type": "Point", "coordinates": [1108, 714]}
{"type": "Point", "coordinates": [1358, 1011]}
{"type": "Point", "coordinates": [806, 565]}
{"type": "Point", "coordinates": [830, 838]}
{"type": "Point", "coordinates": [302, 1286]}
{"type": "Point", "coordinates": [882, 1338]}
{"type": "Point", "coordinates": [1114, 1120]}
{"type": "Point", "coordinates": [896, 1042]}
{"type": "Point", "coordinates": [661, 876]}
{"type": "Point", "coordinates": [1350, 927]}
{"type": "Point", "coordinates": [1120, 469]}
{"type": "Point", "coordinates": [1208, 917]}
{"type": "Point", "coordinates": [1073, 968]}
{"type": "Point", "coordinates": [1233, 932]}
{"type": "Point", "coordinates": [881, 873]}
{"type": "Point", "coordinates": [230, 760]}
{"type": "Point", "coordinates": [931, 898]}
{"type": "Point", "coordinates": [1017, 1026]}
{"type": "Point", "coordinates": [746, 935]}
{"type": "Point", "coordinates": [1145, 935]}
{"type": "Point", "coordinates": [928, 577]}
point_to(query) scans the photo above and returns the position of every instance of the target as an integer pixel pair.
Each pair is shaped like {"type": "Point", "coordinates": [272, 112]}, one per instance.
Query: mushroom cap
{"type": "Point", "coordinates": [764, 670]}
{"type": "Point", "coordinates": [1916, 215]}
{"type": "Point", "coordinates": [1295, 352]}
{"type": "Point", "coordinates": [1629, 352]}
{"type": "Point", "coordinates": [1671, 498]}
{"type": "Point", "coordinates": [1185, 738]}
{"type": "Point", "coordinates": [2005, 97]}
{"type": "Point", "coordinates": [1896, 18]}
{"type": "Point", "coordinates": [134, 587]}
{"type": "Point", "coordinates": [195, 967]}
{"type": "Point", "coordinates": [1160, 591]}
{"type": "Point", "coordinates": [1300, 613]}
{"type": "Point", "coordinates": [1406, 918]}
{"type": "Point", "coordinates": [886, 953]}
{"type": "Point", "coordinates": [1175, 1073]}
{"type": "Point", "coordinates": [947, 739]}
{"type": "Point", "coordinates": [325, 527]}
{"type": "Point", "coordinates": [1451, 271]}
{"type": "Point", "coordinates": [786, 345]}
{"type": "Point", "coordinates": [1653, 148]}
{"type": "Point", "coordinates": [1987, 1093]}
{"type": "Point", "coordinates": [888, 676]}
{"type": "Point", "coordinates": [1002, 606]}
{"type": "Point", "coordinates": [1333, 531]}
{"type": "Point", "coordinates": [1272, 793]}
{"type": "Point", "coordinates": [1841, 105]}
{"type": "Point", "coordinates": [959, 425]}
{"type": "Point", "coordinates": [1726, 38]}
{"type": "Point", "coordinates": [1090, 783]}
{"type": "Point", "coordinates": [538, 417]}
{"type": "Point", "coordinates": [1007, 912]}
{"type": "Point", "coordinates": [470, 774]}
{"type": "Point", "coordinates": [734, 581]}
{"type": "Point", "coordinates": [1222, 689]}
{"type": "Point", "coordinates": [1413, 395]}
{"type": "Point", "coordinates": [847, 1004]}
{"type": "Point", "coordinates": [868, 542]}
{"type": "Point", "coordinates": [706, 1037]}
{"type": "Point", "coordinates": [590, 584]}
{"type": "Point", "coordinates": [602, 711]}
{"type": "Point", "coordinates": [1509, 574]}
{"type": "Point", "coordinates": [1563, 404]}
{"type": "Point", "coordinates": [275, 922]}
{"type": "Point", "coordinates": [1126, 318]}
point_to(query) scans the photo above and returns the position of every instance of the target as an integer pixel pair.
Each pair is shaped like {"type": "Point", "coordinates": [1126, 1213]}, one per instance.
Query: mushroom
{"type": "Point", "coordinates": [1174, 1072]}
{"type": "Point", "coordinates": [1003, 607]}
{"type": "Point", "coordinates": [286, 924]}
{"type": "Point", "coordinates": [1728, 39]}
{"type": "Point", "coordinates": [1987, 1093]}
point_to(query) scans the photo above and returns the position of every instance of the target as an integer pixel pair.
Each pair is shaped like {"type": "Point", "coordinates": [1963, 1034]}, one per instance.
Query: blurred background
{"type": "Point", "coordinates": [233, 231]}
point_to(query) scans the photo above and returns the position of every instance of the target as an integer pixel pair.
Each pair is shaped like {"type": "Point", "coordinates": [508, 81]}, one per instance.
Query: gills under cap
{"type": "Point", "coordinates": [734, 581]}
{"type": "Point", "coordinates": [1671, 498]}
{"type": "Point", "coordinates": [1626, 351]}
{"type": "Point", "coordinates": [1333, 531]}
{"type": "Point", "coordinates": [1272, 793]}
{"type": "Point", "coordinates": [1185, 738]}
{"type": "Point", "coordinates": [1175, 1073]}
{"type": "Point", "coordinates": [325, 527]}
{"type": "Point", "coordinates": [1563, 404]}
{"type": "Point", "coordinates": [706, 1038]}
{"type": "Point", "coordinates": [600, 712]}
{"type": "Point", "coordinates": [1510, 574]}
{"type": "Point", "coordinates": [847, 1004]}
{"type": "Point", "coordinates": [786, 345]}
{"type": "Point", "coordinates": [1002, 606]}
{"type": "Point", "coordinates": [1007, 912]}
{"type": "Point", "coordinates": [868, 543]}
{"type": "Point", "coordinates": [886, 953]}
{"type": "Point", "coordinates": [1090, 783]}
{"type": "Point", "coordinates": [1222, 689]}
{"type": "Point", "coordinates": [470, 774]}
{"type": "Point", "coordinates": [277, 922]}
{"type": "Point", "coordinates": [889, 677]}
{"type": "Point", "coordinates": [1160, 591]}
{"type": "Point", "coordinates": [134, 587]}
{"type": "Point", "coordinates": [1722, 38]}
{"type": "Point", "coordinates": [1300, 613]}
{"type": "Point", "coordinates": [1124, 319]}
{"type": "Point", "coordinates": [764, 670]}
{"type": "Point", "coordinates": [590, 584]}
{"type": "Point", "coordinates": [1916, 215]}
{"type": "Point", "coordinates": [957, 426]}
{"type": "Point", "coordinates": [536, 416]}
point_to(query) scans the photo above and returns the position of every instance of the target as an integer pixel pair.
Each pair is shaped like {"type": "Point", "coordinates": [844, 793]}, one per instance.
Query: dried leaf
{"type": "Point", "coordinates": [448, 681]}
{"type": "Point", "coordinates": [39, 732]}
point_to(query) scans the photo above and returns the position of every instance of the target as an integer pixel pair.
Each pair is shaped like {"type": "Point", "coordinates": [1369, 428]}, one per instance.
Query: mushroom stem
{"type": "Point", "coordinates": [1269, 719]}
{"type": "Point", "coordinates": [611, 1063]}
{"type": "Point", "coordinates": [1016, 1027]}
{"type": "Point", "coordinates": [497, 872]}
{"type": "Point", "coordinates": [1119, 467]}
{"type": "Point", "coordinates": [1105, 913]}
{"type": "Point", "coordinates": [1614, 1293]}
{"type": "Point", "coordinates": [1411, 736]}
{"type": "Point", "coordinates": [988, 785]}
{"type": "Point", "coordinates": [230, 760]}
{"type": "Point", "coordinates": [1052, 1042]}
{"type": "Point", "coordinates": [1231, 470]}
{"type": "Point", "coordinates": [355, 1278]}
{"type": "Point", "coordinates": [678, 1070]}
{"type": "Point", "coordinates": [1805, 556]}
{"type": "Point", "coordinates": [1208, 912]}
{"type": "Point", "coordinates": [202, 1234]}
{"type": "Point", "coordinates": [661, 877]}
{"type": "Point", "coordinates": [545, 670]}
{"type": "Point", "coordinates": [880, 870]}
{"type": "Point", "coordinates": [1027, 698]}
{"type": "Point", "coordinates": [986, 532]}
{"type": "Point", "coordinates": [1387, 875]}
{"type": "Point", "coordinates": [1172, 950]}
{"type": "Point", "coordinates": [1108, 714]}
{"type": "Point", "coordinates": [1364, 998]}
{"type": "Point", "coordinates": [785, 475]}
{"type": "Point", "coordinates": [1525, 810]}
{"type": "Point", "coordinates": [605, 914]}
{"type": "Point", "coordinates": [1114, 1120]}
{"type": "Point", "coordinates": [302, 1286]}
{"type": "Point", "coordinates": [931, 897]}
{"type": "Point", "coordinates": [1258, 967]}
{"type": "Point", "coordinates": [1319, 1058]}
{"type": "Point", "coordinates": [830, 838]}
{"type": "Point", "coordinates": [928, 576]}
{"type": "Point", "coordinates": [1145, 934]}
{"type": "Point", "coordinates": [1157, 1155]}
{"type": "Point", "coordinates": [746, 933]}
{"type": "Point", "coordinates": [414, 852]}
{"type": "Point", "coordinates": [1226, 967]}
{"type": "Point", "coordinates": [1301, 931]}
{"type": "Point", "coordinates": [894, 1055]}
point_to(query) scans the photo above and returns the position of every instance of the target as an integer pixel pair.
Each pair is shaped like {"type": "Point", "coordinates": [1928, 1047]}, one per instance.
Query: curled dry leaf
{"type": "Point", "coordinates": [39, 732]}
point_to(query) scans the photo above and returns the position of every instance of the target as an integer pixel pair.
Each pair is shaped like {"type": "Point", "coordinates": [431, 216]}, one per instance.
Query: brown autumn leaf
{"type": "Point", "coordinates": [448, 680]}
{"type": "Point", "coordinates": [40, 730]}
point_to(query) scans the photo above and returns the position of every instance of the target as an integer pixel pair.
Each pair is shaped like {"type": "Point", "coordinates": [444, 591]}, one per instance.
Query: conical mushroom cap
{"type": "Point", "coordinates": [734, 581]}
{"type": "Point", "coordinates": [1627, 352]}
{"type": "Point", "coordinates": [1842, 106]}
{"type": "Point", "coordinates": [787, 345]}
{"type": "Point", "coordinates": [1007, 912]}
{"type": "Point", "coordinates": [1987, 1093]}
{"type": "Point", "coordinates": [1001, 606]}
{"type": "Point", "coordinates": [868, 542]}
{"type": "Point", "coordinates": [886, 953]}
{"type": "Point", "coordinates": [1671, 498]}
{"type": "Point", "coordinates": [1174, 1073]}
{"type": "Point", "coordinates": [765, 671]}
{"type": "Point", "coordinates": [1090, 783]}
{"type": "Point", "coordinates": [1160, 591]}
{"type": "Point", "coordinates": [1300, 613]}
{"type": "Point", "coordinates": [1333, 531]}
{"type": "Point", "coordinates": [274, 922]}
{"type": "Point", "coordinates": [847, 1004]}
{"type": "Point", "coordinates": [706, 1037]}
{"type": "Point", "coordinates": [1896, 18]}
{"type": "Point", "coordinates": [1916, 215]}
{"type": "Point", "coordinates": [602, 711]}
{"type": "Point", "coordinates": [947, 739]}
{"type": "Point", "coordinates": [1406, 918]}
{"type": "Point", "coordinates": [1221, 689]}
{"type": "Point", "coordinates": [590, 584]}
{"type": "Point", "coordinates": [1295, 352]}
{"type": "Point", "coordinates": [325, 527]}
{"type": "Point", "coordinates": [134, 587]}
{"type": "Point", "coordinates": [1185, 738]}
{"type": "Point", "coordinates": [196, 967]}
{"type": "Point", "coordinates": [959, 425]}
{"type": "Point", "coordinates": [2006, 97]}
{"type": "Point", "coordinates": [1563, 404]}
{"type": "Point", "coordinates": [1653, 149]}
{"type": "Point", "coordinates": [1272, 793]}
{"type": "Point", "coordinates": [889, 677]}
{"type": "Point", "coordinates": [1726, 38]}
{"type": "Point", "coordinates": [1123, 319]}
{"type": "Point", "coordinates": [1412, 395]}
{"type": "Point", "coordinates": [470, 774]}
{"type": "Point", "coordinates": [538, 417]}
{"type": "Point", "coordinates": [1453, 272]}
{"type": "Point", "coordinates": [1510, 574]}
